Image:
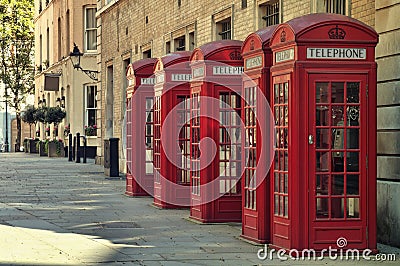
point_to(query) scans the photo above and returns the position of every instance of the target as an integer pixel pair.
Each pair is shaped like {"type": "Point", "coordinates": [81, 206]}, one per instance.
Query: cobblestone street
{"type": "Point", "coordinates": [55, 212]}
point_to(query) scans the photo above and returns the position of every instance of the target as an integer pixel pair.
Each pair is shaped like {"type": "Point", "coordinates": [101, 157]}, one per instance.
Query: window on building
{"type": "Point", "coordinates": [191, 41]}
{"type": "Point", "coordinates": [335, 6]}
{"type": "Point", "coordinates": [180, 43]}
{"type": "Point", "coordinates": [47, 61]}
{"type": "Point", "coordinates": [67, 33]}
{"type": "Point", "coordinates": [40, 51]}
{"type": "Point", "coordinates": [147, 54]}
{"type": "Point", "coordinates": [244, 4]}
{"type": "Point", "coordinates": [125, 65]}
{"type": "Point", "coordinates": [167, 47]}
{"type": "Point", "coordinates": [224, 29]}
{"type": "Point", "coordinates": [90, 29]}
{"type": "Point", "coordinates": [269, 13]}
{"type": "Point", "coordinates": [59, 39]}
{"type": "Point", "coordinates": [91, 106]}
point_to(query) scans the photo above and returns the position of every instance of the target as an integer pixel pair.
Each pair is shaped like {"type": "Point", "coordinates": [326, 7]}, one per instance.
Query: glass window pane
{"type": "Point", "coordinates": [352, 138]}
{"type": "Point", "coordinates": [352, 162]}
{"type": "Point", "coordinates": [337, 95]}
{"type": "Point", "coordinates": [322, 138]}
{"type": "Point", "coordinates": [322, 161]}
{"type": "Point", "coordinates": [337, 116]}
{"type": "Point", "coordinates": [276, 204]}
{"type": "Point", "coordinates": [337, 207]}
{"type": "Point", "coordinates": [322, 184]}
{"type": "Point", "coordinates": [337, 161]}
{"type": "Point", "coordinates": [286, 207]}
{"type": "Point", "coordinates": [353, 92]}
{"type": "Point", "coordinates": [322, 115]}
{"type": "Point", "coordinates": [337, 185]}
{"type": "Point", "coordinates": [352, 185]}
{"type": "Point", "coordinates": [286, 87]}
{"type": "Point", "coordinates": [322, 208]}
{"type": "Point", "coordinates": [353, 115]}
{"type": "Point", "coordinates": [322, 92]}
{"type": "Point", "coordinates": [276, 182]}
{"type": "Point", "coordinates": [353, 208]}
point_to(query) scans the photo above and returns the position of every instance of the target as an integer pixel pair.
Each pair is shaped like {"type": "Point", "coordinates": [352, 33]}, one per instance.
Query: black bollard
{"type": "Point", "coordinates": [84, 148]}
{"type": "Point", "coordinates": [70, 152]}
{"type": "Point", "coordinates": [74, 149]}
{"type": "Point", "coordinates": [78, 148]}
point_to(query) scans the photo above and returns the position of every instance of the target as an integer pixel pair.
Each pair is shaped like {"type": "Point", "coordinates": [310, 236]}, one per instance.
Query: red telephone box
{"type": "Point", "coordinates": [324, 100]}
{"type": "Point", "coordinates": [257, 56]}
{"type": "Point", "coordinates": [139, 128]}
{"type": "Point", "coordinates": [171, 131]}
{"type": "Point", "coordinates": [215, 172]}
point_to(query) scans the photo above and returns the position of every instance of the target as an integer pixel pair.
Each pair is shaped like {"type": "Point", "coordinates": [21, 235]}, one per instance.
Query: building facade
{"type": "Point", "coordinates": [58, 26]}
{"type": "Point", "coordinates": [132, 30]}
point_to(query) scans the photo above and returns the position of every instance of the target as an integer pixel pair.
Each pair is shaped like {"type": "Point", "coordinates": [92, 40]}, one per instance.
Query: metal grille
{"type": "Point", "coordinates": [225, 30]}
{"type": "Point", "coordinates": [335, 6]}
{"type": "Point", "coordinates": [271, 14]}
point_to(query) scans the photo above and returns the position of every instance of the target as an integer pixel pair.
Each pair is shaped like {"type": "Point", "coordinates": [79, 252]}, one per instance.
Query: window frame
{"type": "Point", "coordinates": [86, 30]}
{"type": "Point", "coordinates": [87, 86]}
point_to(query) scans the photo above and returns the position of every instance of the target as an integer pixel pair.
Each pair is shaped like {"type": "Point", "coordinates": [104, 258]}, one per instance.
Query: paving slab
{"type": "Point", "coordinates": [55, 212]}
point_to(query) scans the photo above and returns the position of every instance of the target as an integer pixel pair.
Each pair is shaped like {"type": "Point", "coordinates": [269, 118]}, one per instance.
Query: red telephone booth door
{"type": "Point", "coordinates": [337, 174]}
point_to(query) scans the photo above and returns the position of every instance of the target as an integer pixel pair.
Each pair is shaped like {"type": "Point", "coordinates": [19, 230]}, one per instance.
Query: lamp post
{"type": "Point", "coordinates": [6, 147]}
{"type": "Point", "coordinates": [75, 57]}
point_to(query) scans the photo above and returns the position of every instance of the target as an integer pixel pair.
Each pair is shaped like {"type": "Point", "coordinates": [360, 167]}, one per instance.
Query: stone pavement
{"type": "Point", "coordinates": [54, 212]}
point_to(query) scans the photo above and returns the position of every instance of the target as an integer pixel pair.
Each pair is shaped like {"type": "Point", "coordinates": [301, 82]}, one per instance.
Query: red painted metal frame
{"type": "Point", "coordinates": [167, 193]}
{"type": "Point", "coordinates": [226, 207]}
{"type": "Point", "coordinates": [299, 229]}
{"type": "Point", "coordinates": [256, 217]}
{"type": "Point", "coordinates": [138, 183]}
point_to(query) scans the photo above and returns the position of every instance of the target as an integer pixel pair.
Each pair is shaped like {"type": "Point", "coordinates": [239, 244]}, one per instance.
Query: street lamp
{"type": "Point", "coordinates": [75, 57]}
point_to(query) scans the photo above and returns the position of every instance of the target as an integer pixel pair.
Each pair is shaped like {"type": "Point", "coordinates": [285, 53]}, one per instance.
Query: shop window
{"type": "Point", "coordinates": [90, 29]}
{"type": "Point", "coordinates": [269, 13]}
{"type": "Point", "coordinates": [91, 109]}
{"type": "Point", "coordinates": [180, 43]}
{"type": "Point", "coordinates": [224, 29]}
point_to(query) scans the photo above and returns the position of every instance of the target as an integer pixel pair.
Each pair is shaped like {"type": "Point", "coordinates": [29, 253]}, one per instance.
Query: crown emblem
{"type": "Point", "coordinates": [336, 33]}
{"type": "Point", "coordinates": [252, 45]}
{"type": "Point", "coordinates": [283, 36]}
{"type": "Point", "coordinates": [235, 55]}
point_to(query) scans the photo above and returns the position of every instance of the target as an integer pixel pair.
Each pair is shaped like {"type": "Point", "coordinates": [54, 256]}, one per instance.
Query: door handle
{"type": "Point", "coordinates": [310, 139]}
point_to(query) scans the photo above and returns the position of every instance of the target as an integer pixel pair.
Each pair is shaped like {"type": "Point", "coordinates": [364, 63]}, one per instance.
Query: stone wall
{"type": "Point", "coordinates": [388, 59]}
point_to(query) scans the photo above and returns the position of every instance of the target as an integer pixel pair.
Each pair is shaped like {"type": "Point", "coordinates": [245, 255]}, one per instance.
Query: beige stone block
{"type": "Point", "coordinates": [387, 19]}
{"type": "Point", "coordinates": [388, 143]}
{"type": "Point", "coordinates": [388, 167]}
{"type": "Point", "coordinates": [386, 3]}
{"type": "Point", "coordinates": [388, 117]}
{"type": "Point", "coordinates": [389, 44]}
{"type": "Point", "coordinates": [389, 93]}
{"type": "Point", "coordinates": [388, 68]}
